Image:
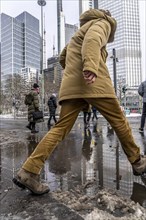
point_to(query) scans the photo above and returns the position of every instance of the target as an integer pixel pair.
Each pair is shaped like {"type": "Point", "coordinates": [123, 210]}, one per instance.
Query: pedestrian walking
{"type": "Point", "coordinates": [32, 101]}
{"type": "Point", "coordinates": [87, 115]}
{"type": "Point", "coordinates": [52, 104]}
{"type": "Point", "coordinates": [142, 93]}
{"type": "Point", "coordinates": [86, 80]}
{"type": "Point", "coordinates": [94, 111]}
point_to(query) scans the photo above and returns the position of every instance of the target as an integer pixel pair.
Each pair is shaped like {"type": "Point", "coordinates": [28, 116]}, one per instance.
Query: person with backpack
{"type": "Point", "coordinates": [52, 104]}
{"type": "Point", "coordinates": [32, 101]}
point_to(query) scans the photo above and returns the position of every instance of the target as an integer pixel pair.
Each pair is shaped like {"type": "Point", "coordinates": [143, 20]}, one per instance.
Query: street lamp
{"type": "Point", "coordinates": [115, 59]}
{"type": "Point", "coordinates": [42, 3]}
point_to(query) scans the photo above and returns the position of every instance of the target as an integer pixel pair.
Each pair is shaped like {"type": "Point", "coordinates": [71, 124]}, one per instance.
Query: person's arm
{"type": "Point", "coordinates": [62, 57]}
{"type": "Point", "coordinates": [55, 103]}
{"type": "Point", "coordinates": [141, 90]}
{"type": "Point", "coordinates": [95, 38]}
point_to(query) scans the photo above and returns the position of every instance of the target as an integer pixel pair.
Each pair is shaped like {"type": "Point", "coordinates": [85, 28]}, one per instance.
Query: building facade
{"type": "Point", "coordinates": [127, 39]}
{"type": "Point", "coordinates": [20, 44]}
{"type": "Point", "coordinates": [69, 32]}
{"type": "Point", "coordinates": [87, 4]}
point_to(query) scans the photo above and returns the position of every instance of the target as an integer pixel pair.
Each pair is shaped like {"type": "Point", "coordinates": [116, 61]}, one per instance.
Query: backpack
{"type": "Point", "coordinates": [28, 99]}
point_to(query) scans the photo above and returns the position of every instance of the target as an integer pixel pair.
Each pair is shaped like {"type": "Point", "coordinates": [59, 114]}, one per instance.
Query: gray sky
{"type": "Point", "coordinates": [70, 8]}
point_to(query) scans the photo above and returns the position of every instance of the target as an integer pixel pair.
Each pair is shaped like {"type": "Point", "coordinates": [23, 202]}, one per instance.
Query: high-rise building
{"type": "Point", "coordinates": [65, 31]}
{"type": "Point", "coordinates": [60, 20]}
{"type": "Point", "coordinates": [127, 39]}
{"type": "Point", "coordinates": [87, 4]}
{"type": "Point", "coordinates": [20, 44]}
{"type": "Point", "coordinates": [69, 32]}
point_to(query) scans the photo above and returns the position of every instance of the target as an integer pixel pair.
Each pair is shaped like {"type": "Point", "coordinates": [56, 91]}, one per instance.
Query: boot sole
{"type": "Point", "coordinates": [24, 186]}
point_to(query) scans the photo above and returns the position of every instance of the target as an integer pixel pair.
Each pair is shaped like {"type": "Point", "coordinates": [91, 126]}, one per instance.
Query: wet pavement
{"type": "Point", "coordinates": [89, 157]}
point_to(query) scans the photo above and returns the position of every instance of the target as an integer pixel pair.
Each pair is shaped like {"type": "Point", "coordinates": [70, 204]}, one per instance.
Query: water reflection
{"type": "Point", "coordinates": [84, 157]}
{"type": "Point", "coordinates": [86, 147]}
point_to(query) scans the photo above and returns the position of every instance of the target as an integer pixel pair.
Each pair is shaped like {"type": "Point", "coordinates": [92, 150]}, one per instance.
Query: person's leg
{"type": "Point", "coordinates": [54, 118]}
{"type": "Point", "coordinates": [95, 113]}
{"type": "Point", "coordinates": [111, 110]}
{"type": "Point", "coordinates": [29, 126]}
{"type": "Point", "coordinates": [33, 130]}
{"type": "Point", "coordinates": [89, 117]}
{"type": "Point", "coordinates": [85, 117]}
{"type": "Point", "coordinates": [49, 120]}
{"type": "Point", "coordinates": [143, 116]}
{"type": "Point", "coordinates": [28, 177]}
{"type": "Point", "coordinates": [69, 113]}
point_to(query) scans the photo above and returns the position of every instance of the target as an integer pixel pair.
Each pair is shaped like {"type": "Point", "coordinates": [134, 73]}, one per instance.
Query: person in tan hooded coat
{"type": "Point", "coordinates": [85, 81]}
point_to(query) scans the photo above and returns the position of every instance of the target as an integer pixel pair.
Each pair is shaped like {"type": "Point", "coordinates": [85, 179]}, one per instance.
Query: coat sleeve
{"type": "Point", "coordinates": [141, 90]}
{"type": "Point", "coordinates": [63, 57]}
{"type": "Point", "coordinates": [95, 38]}
{"type": "Point", "coordinates": [36, 101]}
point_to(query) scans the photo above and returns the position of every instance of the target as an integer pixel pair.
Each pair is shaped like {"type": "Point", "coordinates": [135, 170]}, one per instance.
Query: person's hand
{"type": "Point", "coordinates": [89, 77]}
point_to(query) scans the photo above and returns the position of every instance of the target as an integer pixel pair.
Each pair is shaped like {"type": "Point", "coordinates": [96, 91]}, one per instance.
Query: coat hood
{"type": "Point", "coordinates": [94, 14]}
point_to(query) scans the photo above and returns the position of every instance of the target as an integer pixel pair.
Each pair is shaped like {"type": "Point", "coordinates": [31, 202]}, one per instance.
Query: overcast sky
{"type": "Point", "coordinates": [70, 8]}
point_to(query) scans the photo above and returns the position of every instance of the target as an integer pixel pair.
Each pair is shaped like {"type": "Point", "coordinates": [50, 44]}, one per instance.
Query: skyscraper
{"type": "Point", "coordinates": [127, 39]}
{"type": "Point", "coordinates": [20, 44]}
{"type": "Point", "coordinates": [87, 4]}
{"type": "Point", "coordinates": [60, 25]}
{"type": "Point", "coordinates": [65, 31]}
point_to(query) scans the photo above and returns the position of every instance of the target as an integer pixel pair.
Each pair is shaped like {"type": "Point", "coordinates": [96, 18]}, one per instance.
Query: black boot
{"type": "Point", "coordinates": [29, 126]}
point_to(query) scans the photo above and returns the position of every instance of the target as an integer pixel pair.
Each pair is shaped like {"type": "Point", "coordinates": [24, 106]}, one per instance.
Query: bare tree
{"type": "Point", "coordinates": [14, 92]}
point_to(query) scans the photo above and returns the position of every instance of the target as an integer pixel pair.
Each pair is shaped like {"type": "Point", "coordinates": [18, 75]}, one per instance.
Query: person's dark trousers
{"type": "Point", "coordinates": [33, 127]}
{"type": "Point", "coordinates": [87, 116]}
{"type": "Point", "coordinates": [49, 120]}
{"type": "Point", "coordinates": [94, 115]}
{"type": "Point", "coordinates": [29, 126]}
{"type": "Point", "coordinates": [143, 115]}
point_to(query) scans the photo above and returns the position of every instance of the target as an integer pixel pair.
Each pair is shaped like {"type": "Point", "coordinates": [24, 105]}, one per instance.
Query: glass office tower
{"type": "Point", "coordinates": [127, 38]}
{"type": "Point", "coordinates": [20, 44]}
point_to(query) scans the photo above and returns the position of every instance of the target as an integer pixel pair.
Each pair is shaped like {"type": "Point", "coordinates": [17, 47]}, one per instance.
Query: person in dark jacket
{"type": "Point", "coordinates": [34, 106]}
{"type": "Point", "coordinates": [142, 93]}
{"type": "Point", "coordinates": [52, 104]}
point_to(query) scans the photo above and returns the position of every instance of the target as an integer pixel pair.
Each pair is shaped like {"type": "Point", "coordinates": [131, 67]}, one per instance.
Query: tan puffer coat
{"type": "Point", "coordinates": [34, 105]}
{"type": "Point", "coordinates": [86, 51]}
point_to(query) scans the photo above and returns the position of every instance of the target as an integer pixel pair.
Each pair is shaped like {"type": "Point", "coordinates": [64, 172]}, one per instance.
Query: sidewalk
{"type": "Point", "coordinates": [17, 205]}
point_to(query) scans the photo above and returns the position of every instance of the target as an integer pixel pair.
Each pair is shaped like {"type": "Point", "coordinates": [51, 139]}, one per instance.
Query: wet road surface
{"type": "Point", "coordinates": [91, 157]}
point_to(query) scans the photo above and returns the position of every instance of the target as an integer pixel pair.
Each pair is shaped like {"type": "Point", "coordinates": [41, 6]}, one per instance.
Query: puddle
{"type": "Point", "coordinates": [91, 157]}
